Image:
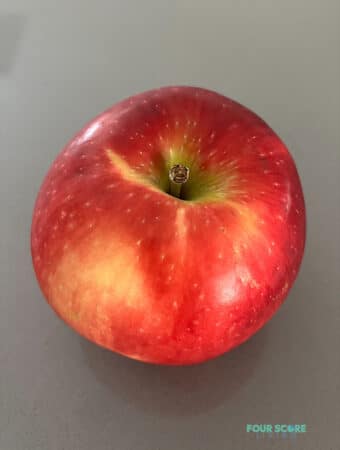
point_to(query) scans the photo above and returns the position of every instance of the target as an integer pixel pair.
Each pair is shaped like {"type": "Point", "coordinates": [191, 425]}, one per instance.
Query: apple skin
{"type": "Point", "coordinates": [157, 278]}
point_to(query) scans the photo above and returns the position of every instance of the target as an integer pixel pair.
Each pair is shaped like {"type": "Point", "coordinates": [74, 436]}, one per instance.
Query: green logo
{"type": "Point", "coordinates": [276, 430]}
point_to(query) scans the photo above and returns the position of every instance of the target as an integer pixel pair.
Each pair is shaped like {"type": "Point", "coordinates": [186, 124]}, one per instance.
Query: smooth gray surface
{"type": "Point", "coordinates": [61, 63]}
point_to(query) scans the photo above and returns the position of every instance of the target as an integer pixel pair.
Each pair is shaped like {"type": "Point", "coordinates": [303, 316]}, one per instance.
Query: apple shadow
{"type": "Point", "coordinates": [170, 390]}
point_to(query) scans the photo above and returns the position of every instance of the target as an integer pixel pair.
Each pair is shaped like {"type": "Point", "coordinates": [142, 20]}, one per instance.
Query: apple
{"type": "Point", "coordinates": [171, 228]}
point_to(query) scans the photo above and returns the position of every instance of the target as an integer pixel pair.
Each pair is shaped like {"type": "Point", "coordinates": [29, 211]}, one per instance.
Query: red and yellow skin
{"type": "Point", "coordinates": [163, 279]}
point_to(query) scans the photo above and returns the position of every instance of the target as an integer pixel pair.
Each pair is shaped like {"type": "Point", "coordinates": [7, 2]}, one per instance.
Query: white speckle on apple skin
{"type": "Point", "coordinates": [236, 250]}
{"type": "Point", "coordinates": [138, 243]}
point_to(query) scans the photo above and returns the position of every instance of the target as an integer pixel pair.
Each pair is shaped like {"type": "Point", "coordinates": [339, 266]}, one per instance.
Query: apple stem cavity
{"type": "Point", "coordinates": [178, 175]}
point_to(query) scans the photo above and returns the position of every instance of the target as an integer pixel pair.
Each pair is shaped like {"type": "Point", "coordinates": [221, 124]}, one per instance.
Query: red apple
{"type": "Point", "coordinates": [165, 264]}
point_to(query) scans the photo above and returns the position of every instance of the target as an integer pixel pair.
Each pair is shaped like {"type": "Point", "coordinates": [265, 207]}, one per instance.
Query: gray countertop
{"type": "Point", "coordinates": [63, 62]}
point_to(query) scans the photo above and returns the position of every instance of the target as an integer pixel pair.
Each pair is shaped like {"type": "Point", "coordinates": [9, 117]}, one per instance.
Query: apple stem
{"type": "Point", "coordinates": [178, 175]}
